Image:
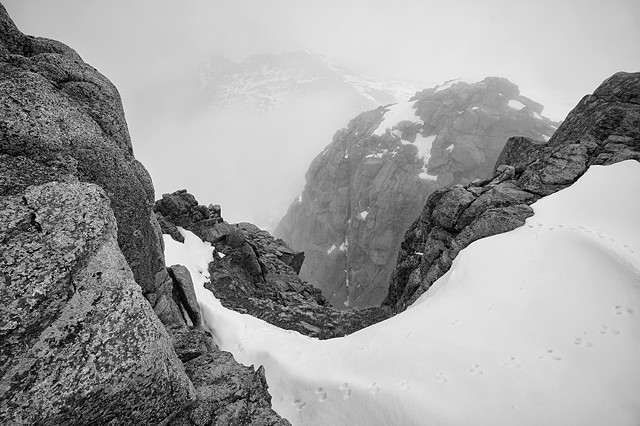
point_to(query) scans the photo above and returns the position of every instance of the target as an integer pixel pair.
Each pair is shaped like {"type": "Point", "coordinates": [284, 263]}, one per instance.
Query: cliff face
{"type": "Point", "coordinates": [371, 182]}
{"type": "Point", "coordinates": [604, 128]}
{"type": "Point", "coordinates": [94, 329]}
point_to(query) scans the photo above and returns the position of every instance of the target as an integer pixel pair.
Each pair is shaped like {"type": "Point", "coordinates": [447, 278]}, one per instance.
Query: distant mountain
{"type": "Point", "coordinates": [284, 107]}
{"type": "Point", "coordinates": [264, 82]}
{"type": "Point", "coordinates": [366, 188]}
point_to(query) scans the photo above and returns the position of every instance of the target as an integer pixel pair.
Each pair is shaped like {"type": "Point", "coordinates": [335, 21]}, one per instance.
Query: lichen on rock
{"type": "Point", "coordinates": [69, 301]}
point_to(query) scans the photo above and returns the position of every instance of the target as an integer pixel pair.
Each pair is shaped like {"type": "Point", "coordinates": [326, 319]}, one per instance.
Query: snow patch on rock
{"type": "Point", "coordinates": [516, 104]}
{"type": "Point", "coordinates": [397, 113]}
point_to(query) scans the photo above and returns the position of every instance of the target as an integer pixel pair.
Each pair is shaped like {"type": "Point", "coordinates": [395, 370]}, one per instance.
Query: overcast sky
{"type": "Point", "coordinates": [568, 46]}
{"type": "Point", "coordinates": [556, 51]}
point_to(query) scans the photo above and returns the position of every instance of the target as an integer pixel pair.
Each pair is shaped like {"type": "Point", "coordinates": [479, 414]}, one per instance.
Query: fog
{"type": "Point", "coordinates": [252, 164]}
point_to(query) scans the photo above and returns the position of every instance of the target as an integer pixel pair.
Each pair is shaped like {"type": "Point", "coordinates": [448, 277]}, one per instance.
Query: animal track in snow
{"type": "Point", "coordinates": [299, 404]}
{"type": "Point", "coordinates": [511, 362]}
{"type": "Point", "coordinates": [405, 385]}
{"type": "Point", "coordinates": [441, 378]}
{"type": "Point", "coordinates": [551, 355]}
{"type": "Point", "coordinates": [621, 310]}
{"type": "Point", "coordinates": [346, 390]}
{"type": "Point", "coordinates": [374, 388]}
{"type": "Point", "coordinates": [321, 394]}
{"type": "Point", "coordinates": [606, 330]}
{"type": "Point", "coordinates": [475, 370]}
{"type": "Point", "coordinates": [579, 341]}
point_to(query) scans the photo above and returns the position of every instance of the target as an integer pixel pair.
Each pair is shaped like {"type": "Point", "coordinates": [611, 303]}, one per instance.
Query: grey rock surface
{"type": "Point", "coordinates": [80, 344]}
{"type": "Point", "coordinates": [62, 120]}
{"type": "Point", "coordinates": [367, 187]}
{"type": "Point", "coordinates": [228, 394]}
{"type": "Point", "coordinates": [604, 128]}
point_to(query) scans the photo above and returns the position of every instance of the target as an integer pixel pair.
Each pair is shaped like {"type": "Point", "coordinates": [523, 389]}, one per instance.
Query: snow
{"type": "Point", "coordinates": [424, 143]}
{"type": "Point", "coordinates": [363, 215]}
{"type": "Point", "coordinates": [538, 116]}
{"type": "Point", "coordinates": [516, 104]}
{"type": "Point", "coordinates": [426, 176]}
{"type": "Point", "coordinates": [546, 138]}
{"type": "Point", "coordinates": [299, 198]}
{"type": "Point", "coordinates": [535, 326]}
{"type": "Point", "coordinates": [221, 255]}
{"type": "Point", "coordinates": [375, 155]}
{"type": "Point", "coordinates": [394, 114]}
{"type": "Point", "coordinates": [331, 249]}
{"type": "Point", "coordinates": [343, 246]}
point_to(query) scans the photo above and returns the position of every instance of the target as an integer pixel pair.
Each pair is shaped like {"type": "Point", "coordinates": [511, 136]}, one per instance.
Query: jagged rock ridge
{"type": "Point", "coordinates": [369, 184]}
{"type": "Point", "coordinates": [256, 274]}
{"type": "Point", "coordinates": [94, 329]}
{"type": "Point", "coordinates": [604, 128]}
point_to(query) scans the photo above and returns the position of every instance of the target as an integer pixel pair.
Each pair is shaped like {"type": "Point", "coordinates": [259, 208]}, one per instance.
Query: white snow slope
{"type": "Point", "coordinates": [538, 326]}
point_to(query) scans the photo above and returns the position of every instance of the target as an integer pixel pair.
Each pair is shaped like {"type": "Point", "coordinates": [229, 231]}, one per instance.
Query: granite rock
{"type": "Point", "coordinates": [60, 119]}
{"type": "Point", "coordinates": [80, 344]}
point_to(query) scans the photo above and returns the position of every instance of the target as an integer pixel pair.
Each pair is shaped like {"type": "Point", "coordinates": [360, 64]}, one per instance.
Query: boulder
{"type": "Point", "coordinates": [80, 344]}
{"type": "Point", "coordinates": [186, 295]}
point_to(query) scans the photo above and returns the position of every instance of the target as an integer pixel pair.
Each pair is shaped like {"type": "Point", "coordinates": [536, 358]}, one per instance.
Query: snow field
{"type": "Point", "coordinates": [537, 326]}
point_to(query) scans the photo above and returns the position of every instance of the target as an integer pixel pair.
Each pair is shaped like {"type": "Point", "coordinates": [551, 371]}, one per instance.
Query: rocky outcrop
{"type": "Point", "coordinates": [255, 274]}
{"type": "Point", "coordinates": [80, 344]}
{"type": "Point", "coordinates": [370, 183]}
{"type": "Point", "coordinates": [60, 119]}
{"type": "Point", "coordinates": [94, 329]}
{"type": "Point", "coordinates": [228, 394]}
{"type": "Point", "coordinates": [604, 128]}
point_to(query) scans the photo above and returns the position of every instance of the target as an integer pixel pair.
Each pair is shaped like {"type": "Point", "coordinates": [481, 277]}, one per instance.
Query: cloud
{"type": "Point", "coordinates": [555, 51]}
